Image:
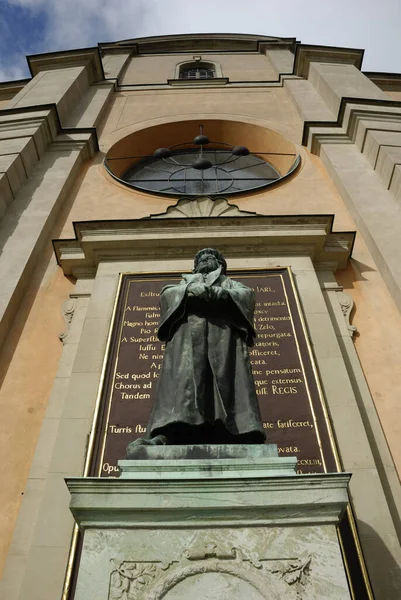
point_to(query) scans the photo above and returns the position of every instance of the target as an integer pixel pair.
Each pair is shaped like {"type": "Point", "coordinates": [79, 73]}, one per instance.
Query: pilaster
{"type": "Point", "coordinates": [355, 129]}
{"type": "Point", "coordinates": [26, 226]}
{"type": "Point", "coordinates": [46, 133]}
{"type": "Point", "coordinates": [340, 306]}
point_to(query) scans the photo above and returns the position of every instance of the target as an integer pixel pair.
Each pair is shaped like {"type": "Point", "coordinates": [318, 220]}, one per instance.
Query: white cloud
{"type": "Point", "coordinates": [357, 23]}
{"type": "Point", "coordinates": [76, 23]}
{"type": "Point", "coordinates": [13, 72]}
{"type": "Point", "coordinates": [12, 60]}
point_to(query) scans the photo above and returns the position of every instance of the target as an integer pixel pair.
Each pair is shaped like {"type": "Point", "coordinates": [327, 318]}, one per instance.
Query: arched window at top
{"type": "Point", "coordinates": [197, 70]}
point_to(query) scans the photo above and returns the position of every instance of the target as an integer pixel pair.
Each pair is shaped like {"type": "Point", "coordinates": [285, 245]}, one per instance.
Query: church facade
{"type": "Point", "coordinates": [117, 164]}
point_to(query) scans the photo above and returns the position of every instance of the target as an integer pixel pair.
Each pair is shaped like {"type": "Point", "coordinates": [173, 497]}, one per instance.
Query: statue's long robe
{"type": "Point", "coordinates": [206, 375]}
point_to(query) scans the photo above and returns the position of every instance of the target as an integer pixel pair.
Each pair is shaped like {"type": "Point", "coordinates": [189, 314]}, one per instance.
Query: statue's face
{"type": "Point", "coordinates": [207, 262]}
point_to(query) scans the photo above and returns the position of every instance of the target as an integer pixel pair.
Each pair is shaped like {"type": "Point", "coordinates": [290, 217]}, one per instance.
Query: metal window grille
{"type": "Point", "coordinates": [197, 73]}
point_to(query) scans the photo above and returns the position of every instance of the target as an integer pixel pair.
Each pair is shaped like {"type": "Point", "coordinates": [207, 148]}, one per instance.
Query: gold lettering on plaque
{"type": "Point", "coordinates": [116, 429]}
{"type": "Point", "coordinates": [278, 389]}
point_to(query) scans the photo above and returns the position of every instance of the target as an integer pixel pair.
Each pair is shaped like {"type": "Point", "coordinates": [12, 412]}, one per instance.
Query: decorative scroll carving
{"type": "Point", "coordinates": [294, 573]}
{"type": "Point", "coordinates": [202, 206]}
{"type": "Point", "coordinates": [129, 579]}
{"type": "Point", "coordinates": [347, 305]}
{"type": "Point", "coordinates": [153, 579]}
{"type": "Point", "coordinates": [67, 310]}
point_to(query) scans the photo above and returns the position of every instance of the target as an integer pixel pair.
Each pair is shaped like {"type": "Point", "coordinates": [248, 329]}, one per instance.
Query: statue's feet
{"type": "Point", "coordinates": [158, 440]}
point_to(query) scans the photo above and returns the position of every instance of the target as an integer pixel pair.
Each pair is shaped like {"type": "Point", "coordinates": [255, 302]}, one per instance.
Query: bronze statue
{"type": "Point", "coordinates": [206, 392]}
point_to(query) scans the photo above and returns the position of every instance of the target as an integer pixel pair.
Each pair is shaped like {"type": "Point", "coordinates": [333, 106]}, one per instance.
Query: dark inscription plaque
{"type": "Point", "coordinates": [291, 406]}
{"type": "Point", "coordinates": [292, 409]}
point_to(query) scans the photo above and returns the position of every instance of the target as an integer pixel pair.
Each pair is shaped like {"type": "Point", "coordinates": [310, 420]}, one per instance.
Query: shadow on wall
{"type": "Point", "coordinates": [381, 561]}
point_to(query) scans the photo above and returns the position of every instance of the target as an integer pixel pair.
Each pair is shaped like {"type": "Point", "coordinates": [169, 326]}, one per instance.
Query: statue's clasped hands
{"type": "Point", "coordinates": [199, 290]}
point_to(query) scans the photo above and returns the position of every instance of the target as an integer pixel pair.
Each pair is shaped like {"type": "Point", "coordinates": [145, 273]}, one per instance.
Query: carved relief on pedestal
{"type": "Point", "coordinates": [211, 573]}
{"type": "Point", "coordinates": [67, 310]}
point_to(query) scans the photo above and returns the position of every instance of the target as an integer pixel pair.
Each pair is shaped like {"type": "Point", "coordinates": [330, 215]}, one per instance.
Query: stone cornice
{"type": "Point", "coordinates": [8, 89]}
{"type": "Point", "coordinates": [351, 113]}
{"type": "Point", "coordinates": [41, 124]}
{"type": "Point", "coordinates": [205, 42]}
{"type": "Point", "coordinates": [305, 54]}
{"type": "Point", "coordinates": [196, 83]}
{"type": "Point", "coordinates": [31, 117]}
{"type": "Point", "coordinates": [385, 81]}
{"type": "Point", "coordinates": [102, 502]}
{"type": "Point", "coordinates": [46, 118]}
{"type": "Point", "coordinates": [301, 235]}
{"type": "Point", "coordinates": [69, 58]}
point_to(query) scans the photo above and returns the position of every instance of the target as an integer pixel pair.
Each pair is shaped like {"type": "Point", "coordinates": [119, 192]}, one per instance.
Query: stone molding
{"type": "Point", "coordinates": [70, 58]}
{"type": "Point", "coordinates": [8, 89]}
{"type": "Point", "coordinates": [288, 500]}
{"type": "Point", "coordinates": [352, 112]}
{"type": "Point", "coordinates": [385, 81]}
{"type": "Point", "coordinates": [306, 54]}
{"type": "Point", "coordinates": [226, 42]}
{"type": "Point", "coordinates": [29, 132]}
{"type": "Point", "coordinates": [39, 129]}
{"type": "Point", "coordinates": [280, 44]}
{"type": "Point", "coordinates": [149, 238]}
{"type": "Point", "coordinates": [374, 126]}
{"type": "Point", "coordinates": [196, 83]}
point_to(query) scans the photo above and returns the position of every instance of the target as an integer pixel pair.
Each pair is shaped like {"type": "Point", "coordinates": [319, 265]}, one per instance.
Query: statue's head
{"type": "Point", "coordinates": [208, 259]}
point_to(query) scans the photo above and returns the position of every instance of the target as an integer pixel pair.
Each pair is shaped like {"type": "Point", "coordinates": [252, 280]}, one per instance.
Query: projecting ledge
{"type": "Point", "coordinates": [161, 238]}
{"type": "Point", "coordinates": [261, 490]}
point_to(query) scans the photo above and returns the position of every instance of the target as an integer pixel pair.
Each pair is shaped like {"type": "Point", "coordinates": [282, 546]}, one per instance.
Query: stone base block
{"type": "Point", "coordinates": [217, 532]}
{"type": "Point", "coordinates": [205, 461]}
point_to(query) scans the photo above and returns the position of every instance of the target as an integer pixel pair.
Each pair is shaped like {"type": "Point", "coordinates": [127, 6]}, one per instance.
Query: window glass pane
{"type": "Point", "coordinates": [176, 175]}
{"type": "Point", "coordinates": [197, 72]}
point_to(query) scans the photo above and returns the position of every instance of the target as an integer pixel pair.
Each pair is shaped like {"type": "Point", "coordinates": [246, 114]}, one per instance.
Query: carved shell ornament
{"type": "Point", "coordinates": [202, 206]}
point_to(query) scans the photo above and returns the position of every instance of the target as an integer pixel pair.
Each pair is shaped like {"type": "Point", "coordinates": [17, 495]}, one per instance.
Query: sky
{"type": "Point", "coordinates": [35, 26]}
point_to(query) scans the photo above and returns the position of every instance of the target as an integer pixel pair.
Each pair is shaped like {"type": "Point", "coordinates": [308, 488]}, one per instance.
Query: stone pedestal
{"type": "Point", "coordinates": [211, 523]}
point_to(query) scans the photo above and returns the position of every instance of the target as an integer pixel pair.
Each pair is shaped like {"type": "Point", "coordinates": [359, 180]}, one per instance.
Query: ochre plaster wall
{"type": "Point", "coordinates": [309, 192]}
{"type": "Point", "coordinates": [28, 365]}
{"type": "Point", "coordinates": [29, 359]}
{"type": "Point", "coordinates": [237, 67]}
